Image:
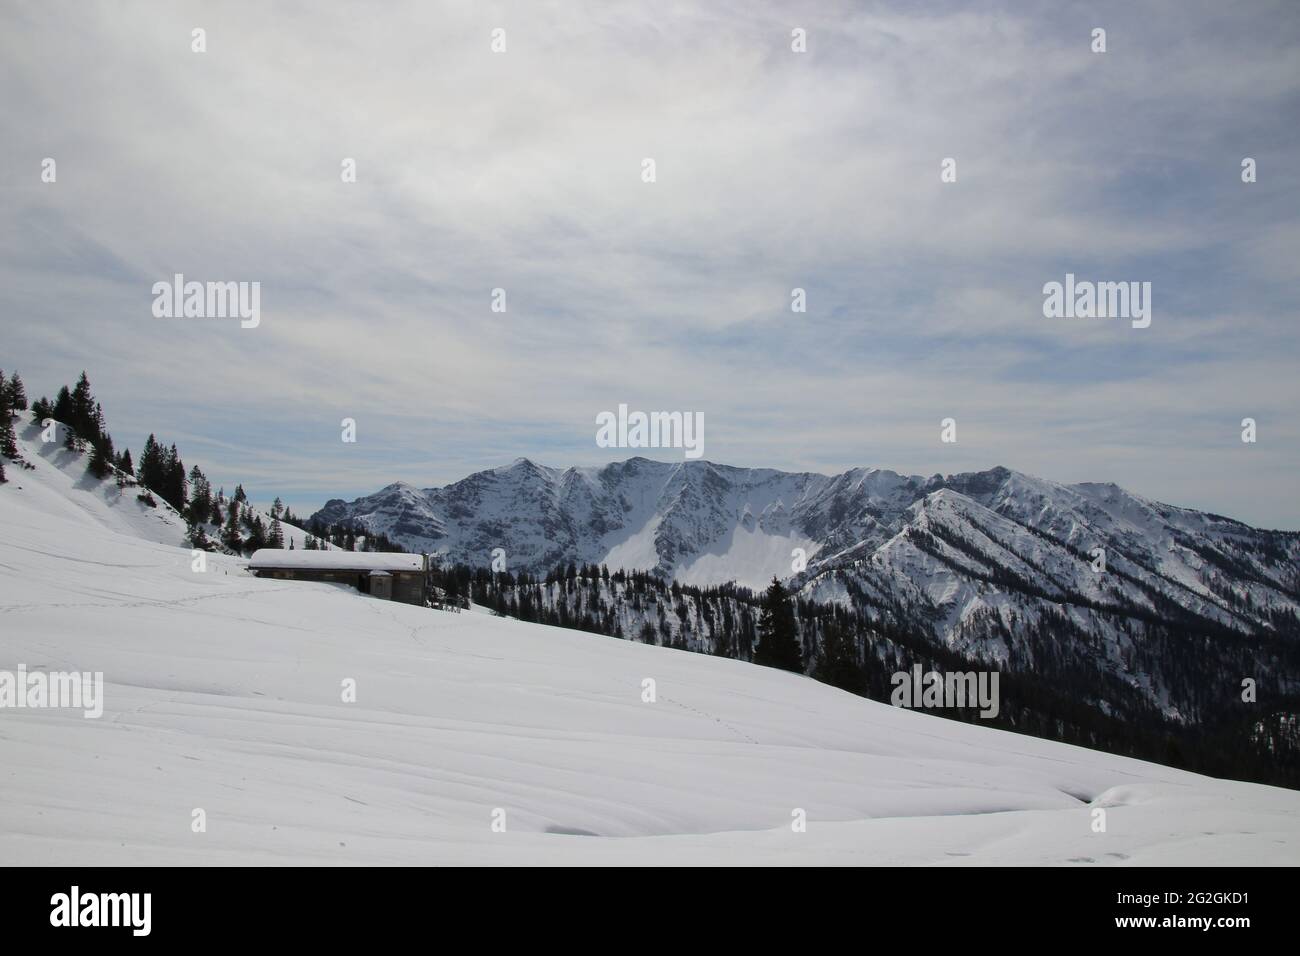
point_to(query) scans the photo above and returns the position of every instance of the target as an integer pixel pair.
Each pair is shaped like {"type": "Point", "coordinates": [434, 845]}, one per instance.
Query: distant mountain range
{"type": "Point", "coordinates": [952, 551]}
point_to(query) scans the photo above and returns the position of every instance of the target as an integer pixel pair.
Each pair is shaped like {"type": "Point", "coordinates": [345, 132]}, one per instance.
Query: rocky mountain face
{"type": "Point", "coordinates": [1141, 612]}
{"type": "Point", "coordinates": [949, 545]}
{"type": "Point", "coordinates": [693, 521]}
{"type": "Point", "coordinates": [973, 558]}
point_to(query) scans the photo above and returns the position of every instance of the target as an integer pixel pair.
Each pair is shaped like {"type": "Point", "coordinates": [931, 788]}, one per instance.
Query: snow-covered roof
{"type": "Point", "coordinates": [335, 560]}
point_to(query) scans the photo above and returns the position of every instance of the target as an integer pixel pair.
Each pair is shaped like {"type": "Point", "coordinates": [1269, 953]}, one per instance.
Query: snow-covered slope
{"type": "Point", "coordinates": [223, 692]}
{"type": "Point", "coordinates": [57, 485]}
{"type": "Point", "coordinates": [116, 503]}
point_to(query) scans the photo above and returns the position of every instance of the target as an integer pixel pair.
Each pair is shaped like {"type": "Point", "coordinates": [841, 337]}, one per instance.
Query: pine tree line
{"type": "Point", "coordinates": [214, 521]}
{"type": "Point", "coordinates": [13, 399]}
{"type": "Point", "coordinates": [348, 536]}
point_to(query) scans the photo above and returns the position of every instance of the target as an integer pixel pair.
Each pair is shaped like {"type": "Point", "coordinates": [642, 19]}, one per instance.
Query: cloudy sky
{"type": "Point", "coordinates": [522, 170]}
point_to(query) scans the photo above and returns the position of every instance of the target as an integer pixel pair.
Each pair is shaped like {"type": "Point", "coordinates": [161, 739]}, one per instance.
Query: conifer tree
{"type": "Point", "coordinates": [101, 457]}
{"type": "Point", "coordinates": [173, 479]}
{"type": "Point", "coordinates": [837, 663]}
{"type": "Point", "coordinates": [82, 409]}
{"type": "Point", "coordinates": [256, 535]}
{"type": "Point", "coordinates": [17, 394]}
{"type": "Point", "coordinates": [200, 506]}
{"type": "Point", "coordinates": [8, 441]}
{"type": "Point", "coordinates": [63, 406]}
{"type": "Point", "coordinates": [778, 640]}
{"type": "Point", "coordinates": [41, 410]}
{"type": "Point", "coordinates": [150, 468]}
{"type": "Point", "coordinates": [199, 537]}
{"type": "Point", "coordinates": [231, 536]}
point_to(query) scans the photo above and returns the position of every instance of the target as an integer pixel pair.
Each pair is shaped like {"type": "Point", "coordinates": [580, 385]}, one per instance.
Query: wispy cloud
{"type": "Point", "coordinates": [775, 170]}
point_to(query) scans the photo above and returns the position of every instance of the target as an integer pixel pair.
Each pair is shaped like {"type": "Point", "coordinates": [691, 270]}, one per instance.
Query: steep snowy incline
{"type": "Point", "coordinates": [57, 484]}
{"type": "Point", "coordinates": [223, 692]}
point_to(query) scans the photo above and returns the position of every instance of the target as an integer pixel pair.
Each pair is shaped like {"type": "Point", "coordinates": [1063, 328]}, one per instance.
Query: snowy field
{"type": "Point", "coordinates": [223, 692]}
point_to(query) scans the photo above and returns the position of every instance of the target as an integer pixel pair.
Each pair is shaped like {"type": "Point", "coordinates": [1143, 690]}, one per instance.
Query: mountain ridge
{"type": "Point", "coordinates": [983, 563]}
{"type": "Point", "coordinates": [815, 502]}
